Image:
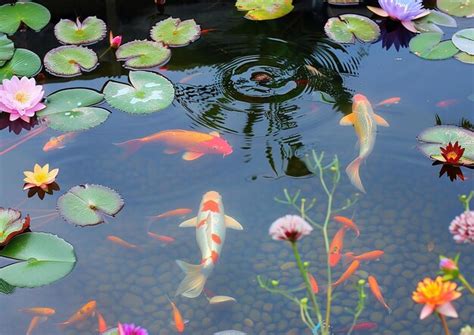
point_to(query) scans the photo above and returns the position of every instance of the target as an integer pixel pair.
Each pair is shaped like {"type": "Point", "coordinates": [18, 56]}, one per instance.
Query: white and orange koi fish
{"type": "Point", "coordinates": [211, 223]}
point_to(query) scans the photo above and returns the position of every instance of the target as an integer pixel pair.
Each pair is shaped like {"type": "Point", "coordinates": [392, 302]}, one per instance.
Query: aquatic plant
{"type": "Point", "coordinates": [89, 31]}
{"type": "Point", "coordinates": [449, 268]}
{"type": "Point", "coordinates": [259, 10]}
{"type": "Point", "coordinates": [6, 49]}
{"type": "Point", "coordinates": [143, 54]}
{"type": "Point", "coordinates": [70, 61]}
{"type": "Point", "coordinates": [175, 33]}
{"type": "Point", "coordinates": [40, 177]}
{"type": "Point", "coordinates": [430, 46]}
{"type": "Point", "coordinates": [456, 7]}
{"type": "Point", "coordinates": [31, 14]}
{"type": "Point", "coordinates": [464, 40]}
{"type": "Point", "coordinates": [346, 28]}
{"type": "Point", "coordinates": [23, 63]}
{"type": "Point", "coordinates": [21, 98]}
{"type": "Point", "coordinates": [405, 11]}
{"type": "Point", "coordinates": [11, 224]}
{"type": "Point", "coordinates": [430, 22]}
{"type": "Point", "coordinates": [290, 228]}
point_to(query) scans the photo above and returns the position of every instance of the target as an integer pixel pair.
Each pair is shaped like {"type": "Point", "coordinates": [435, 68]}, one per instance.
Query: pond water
{"type": "Point", "coordinates": [271, 126]}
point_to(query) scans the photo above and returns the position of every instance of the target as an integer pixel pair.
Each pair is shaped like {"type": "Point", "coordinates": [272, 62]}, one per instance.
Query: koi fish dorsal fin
{"type": "Point", "coordinates": [232, 223]}
{"type": "Point", "coordinates": [214, 133]}
{"type": "Point", "coordinates": [348, 120]}
{"type": "Point", "coordinates": [189, 223]}
{"type": "Point", "coordinates": [380, 121]}
{"type": "Point", "coordinates": [190, 156]}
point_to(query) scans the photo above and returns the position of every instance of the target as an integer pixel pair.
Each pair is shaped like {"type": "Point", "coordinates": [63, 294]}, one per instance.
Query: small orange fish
{"type": "Point", "coordinates": [314, 283]}
{"type": "Point", "coordinates": [173, 212]}
{"type": "Point", "coordinates": [446, 103]}
{"type": "Point", "coordinates": [117, 240]}
{"type": "Point", "coordinates": [374, 287]}
{"type": "Point", "coordinates": [162, 238]}
{"type": "Point", "coordinates": [349, 272]}
{"type": "Point", "coordinates": [178, 319]}
{"type": "Point", "coordinates": [35, 321]}
{"type": "Point", "coordinates": [348, 223]}
{"type": "Point", "coordinates": [389, 101]}
{"type": "Point", "coordinates": [206, 31]}
{"type": "Point", "coordinates": [366, 256]}
{"type": "Point", "coordinates": [58, 142]}
{"type": "Point", "coordinates": [102, 325]}
{"type": "Point", "coordinates": [83, 313]}
{"type": "Point", "coordinates": [336, 246]}
{"type": "Point", "coordinates": [39, 310]}
{"type": "Point", "coordinates": [189, 78]}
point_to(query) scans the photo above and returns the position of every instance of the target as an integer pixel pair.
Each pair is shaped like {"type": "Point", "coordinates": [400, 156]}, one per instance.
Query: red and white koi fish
{"type": "Point", "coordinates": [58, 142]}
{"type": "Point", "coordinates": [335, 248]}
{"type": "Point", "coordinates": [365, 123]}
{"type": "Point", "coordinates": [82, 314]}
{"type": "Point", "coordinates": [374, 287]}
{"type": "Point", "coordinates": [211, 223]}
{"type": "Point", "coordinates": [366, 256]}
{"type": "Point", "coordinates": [348, 223]}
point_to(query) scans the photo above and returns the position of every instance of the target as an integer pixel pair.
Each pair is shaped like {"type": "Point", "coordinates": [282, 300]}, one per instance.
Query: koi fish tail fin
{"type": "Point", "coordinates": [193, 284]}
{"type": "Point", "coordinates": [130, 147]}
{"type": "Point", "coordinates": [352, 171]}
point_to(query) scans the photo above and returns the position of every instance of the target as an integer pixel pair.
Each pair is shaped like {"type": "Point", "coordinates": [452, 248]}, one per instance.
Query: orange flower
{"type": "Point", "coordinates": [437, 296]}
{"type": "Point", "coordinates": [452, 153]}
{"type": "Point", "coordinates": [40, 177]}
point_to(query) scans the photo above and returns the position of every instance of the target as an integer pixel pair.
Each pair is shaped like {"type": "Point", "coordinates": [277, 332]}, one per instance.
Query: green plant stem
{"type": "Point", "coordinates": [444, 323]}
{"type": "Point", "coordinates": [466, 283]}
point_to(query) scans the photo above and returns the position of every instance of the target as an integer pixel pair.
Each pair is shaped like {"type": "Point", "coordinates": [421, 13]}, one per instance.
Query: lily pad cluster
{"type": "Point", "coordinates": [23, 63]}
{"type": "Point", "coordinates": [260, 10]}
{"type": "Point", "coordinates": [33, 15]}
{"type": "Point", "coordinates": [349, 27]}
{"type": "Point", "coordinates": [461, 8]}
{"type": "Point", "coordinates": [432, 21]}
{"type": "Point", "coordinates": [89, 31]}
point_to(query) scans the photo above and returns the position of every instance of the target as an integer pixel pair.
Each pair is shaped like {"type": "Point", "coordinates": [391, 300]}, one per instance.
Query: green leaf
{"type": "Point", "coordinates": [85, 205]}
{"type": "Point", "coordinates": [429, 46]}
{"type": "Point", "coordinates": [143, 54]}
{"type": "Point", "coordinates": [430, 22]}
{"type": "Point", "coordinates": [89, 31]}
{"type": "Point", "coordinates": [70, 61]}
{"type": "Point", "coordinates": [465, 58]}
{"type": "Point", "coordinates": [44, 258]}
{"type": "Point", "coordinates": [175, 33]}
{"type": "Point", "coordinates": [6, 49]}
{"type": "Point", "coordinates": [24, 63]}
{"type": "Point", "coordinates": [6, 288]}
{"type": "Point", "coordinates": [457, 7]}
{"type": "Point", "coordinates": [31, 14]}
{"type": "Point", "coordinates": [69, 110]}
{"type": "Point", "coordinates": [259, 10]}
{"type": "Point", "coordinates": [464, 40]}
{"type": "Point", "coordinates": [149, 92]}
{"type": "Point", "coordinates": [11, 224]}
{"type": "Point", "coordinates": [112, 331]}
{"type": "Point", "coordinates": [345, 28]}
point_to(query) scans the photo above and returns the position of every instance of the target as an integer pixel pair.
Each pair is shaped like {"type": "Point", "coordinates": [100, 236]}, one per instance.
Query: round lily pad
{"type": "Point", "coordinates": [345, 28]}
{"type": "Point", "coordinates": [457, 7]}
{"type": "Point", "coordinates": [86, 205]}
{"type": "Point", "coordinates": [435, 18]}
{"type": "Point", "coordinates": [175, 33]}
{"type": "Point", "coordinates": [149, 92]}
{"type": "Point", "coordinates": [70, 61]}
{"type": "Point", "coordinates": [6, 49]}
{"type": "Point", "coordinates": [24, 63]}
{"type": "Point", "coordinates": [464, 40]}
{"type": "Point", "coordinates": [143, 54]}
{"type": "Point", "coordinates": [70, 110]}
{"type": "Point", "coordinates": [11, 224]}
{"type": "Point", "coordinates": [429, 46]}
{"type": "Point", "coordinates": [89, 31]}
{"type": "Point", "coordinates": [465, 58]}
{"type": "Point", "coordinates": [31, 14]}
{"type": "Point", "coordinates": [259, 10]}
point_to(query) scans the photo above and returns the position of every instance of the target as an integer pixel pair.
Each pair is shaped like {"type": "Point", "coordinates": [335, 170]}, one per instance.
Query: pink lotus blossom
{"type": "Point", "coordinates": [290, 228]}
{"type": "Point", "coordinates": [21, 98]}
{"type": "Point", "coordinates": [115, 41]}
{"type": "Point", "coordinates": [462, 227]}
{"type": "Point", "coordinates": [131, 329]}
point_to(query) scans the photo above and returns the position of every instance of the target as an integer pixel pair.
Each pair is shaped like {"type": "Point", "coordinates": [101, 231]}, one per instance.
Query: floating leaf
{"type": "Point", "coordinates": [149, 92]}
{"type": "Point", "coordinates": [429, 46]}
{"type": "Point", "coordinates": [86, 205]}
{"type": "Point", "coordinates": [457, 7]}
{"type": "Point", "coordinates": [259, 10]}
{"type": "Point", "coordinates": [464, 40]}
{"type": "Point", "coordinates": [143, 54]}
{"type": "Point", "coordinates": [11, 224]}
{"type": "Point", "coordinates": [430, 22]}
{"type": "Point", "coordinates": [465, 58]}
{"type": "Point", "coordinates": [6, 49]}
{"type": "Point", "coordinates": [175, 33]}
{"type": "Point", "coordinates": [24, 63]}
{"type": "Point", "coordinates": [69, 110]}
{"type": "Point", "coordinates": [45, 259]}
{"type": "Point", "coordinates": [89, 31]}
{"type": "Point", "coordinates": [70, 60]}
{"type": "Point", "coordinates": [31, 14]}
{"type": "Point", "coordinates": [6, 288]}
{"type": "Point", "coordinates": [345, 28]}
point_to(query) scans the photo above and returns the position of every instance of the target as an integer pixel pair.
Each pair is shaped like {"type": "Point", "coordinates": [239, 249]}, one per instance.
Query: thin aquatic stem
{"type": "Point", "coordinates": [360, 305]}
{"type": "Point", "coordinates": [466, 283]}
{"type": "Point", "coordinates": [444, 323]}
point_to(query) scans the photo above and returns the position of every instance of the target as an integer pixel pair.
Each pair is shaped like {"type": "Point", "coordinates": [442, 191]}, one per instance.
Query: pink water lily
{"type": "Point", "coordinates": [405, 11]}
{"type": "Point", "coordinates": [290, 228]}
{"type": "Point", "coordinates": [21, 98]}
{"type": "Point", "coordinates": [114, 41]}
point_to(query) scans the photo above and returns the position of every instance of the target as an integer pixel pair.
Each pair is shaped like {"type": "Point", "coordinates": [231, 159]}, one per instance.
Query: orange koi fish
{"type": "Point", "coordinates": [389, 101]}
{"type": "Point", "coordinates": [374, 287]}
{"type": "Point", "coordinates": [162, 238]}
{"type": "Point", "coordinates": [446, 103]}
{"type": "Point", "coordinates": [58, 142]}
{"type": "Point", "coordinates": [194, 143]}
{"type": "Point", "coordinates": [173, 212]}
{"type": "Point", "coordinates": [82, 314]}
{"type": "Point", "coordinates": [101, 324]}
{"type": "Point", "coordinates": [336, 246]}
{"type": "Point", "coordinates": [366, 256]}
{"type": "Point", "coordinates": [348, 223]}
{"type": "Point", "coordinates": [349, 272]}
{"type": "Point", "coordinates": [46, 311]}
{"type": "Point", "coordinates": [314, 283]}
{"type": "Point", "coordinates": [35, 321]}
{"type": "Point", "coordinates": [117, 240]}
{"type": "Point", "coordinates": [178, 319]}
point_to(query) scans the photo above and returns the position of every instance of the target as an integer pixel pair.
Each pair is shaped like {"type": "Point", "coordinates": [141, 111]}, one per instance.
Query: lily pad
{"type": "Point", "coordinates": [345, 28]}
{"type": "Point", "coordinates": [430, 22]}
{"type": "Point", "coordinates": [259, 10]}
{"type": "Point", "coordinates": [44, 258]}
{"type": "Point", "coordinates": [149, 92]}
{"type": "Point", "coordinates": [429, 46]}
{"type": "Point", "coordinates": [70, 61]}
{"type": "Point", "coordinates": [6, 49]}
{"type": "Point", "coordinates": [11, 224]}
{"type": "Point", "coordinates": [435, 137]}
{"type": "Point", "coordinates": [464, 40]}
{"type": "Point", "coordinates": [24, 63]}
{"type": "Point", "coordinates": [465, 58]}
{"type": "Point", "coordinates": [175, 33]}
{"type": "Point", "coordinates": [31, 14]}
{"type": "Point", "coordinates": [89, 31]}
{"type": "Point", "coordinates": [6, 288]}
{"type": "Point", "coordinates": [143, 54]}
{"type": "Point", "coordinates": [86, 205]}
{"type": "Point", "coordinates": [457, 7]}
{"type": "Point", "coordinates": [70, 110]}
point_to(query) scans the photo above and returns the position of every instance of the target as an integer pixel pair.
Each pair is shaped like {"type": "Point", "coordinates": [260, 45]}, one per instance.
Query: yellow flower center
{"type": "Point", "coordinates": [452, 155]}
{"type": "Point", "coordinates": [21, 97]}
{"type": "Point", "coordinates": [41, 177]}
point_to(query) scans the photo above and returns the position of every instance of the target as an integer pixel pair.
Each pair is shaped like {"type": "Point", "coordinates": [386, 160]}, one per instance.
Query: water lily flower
{"type": "Point", "coordinates": [447, 264]}
{"type": "Point", "coordinates": [462, 227]}
{"type": "Point", "coordinates": [404, 11]}
{"type": "Point", "coordinates": [290, 228]}
{"type": "Point", "coordinates": [21, 98]}
{"type": "Point", "coordinates": [115, 41]}
{"type": "Point", "coordinates": [452, 153]}
{"type": "Point", "coordinates": [131, 329]}
{"type": "Point", "coordinates": [40, 177]}
{"type": "Point", "coordinates": [436, 295]}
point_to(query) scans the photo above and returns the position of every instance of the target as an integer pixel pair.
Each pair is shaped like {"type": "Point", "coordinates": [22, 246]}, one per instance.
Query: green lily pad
{"type": "Point", "coordinates": [6, 49]}
{"type": "Point", "coordinates": [86, 205]}
{"type": "Point", "coordinates": [70, 61]}
{"type": "Point", "coordinates": [11, 224]}
{"type": "Point", "coordinates": [70, 110]}
{"type": "Point", "coordinates": [465, 58]}
{"type": "Point", "coordinates": [457, 7]}
{"type": "Point", "coordinates": [429, 46]}
{"type": "Point", "coordinates": [6, 288]}
{"type": "Point", "coordinates": [150, 92]}
{"type": "Point", "coordinates": [345, 28]}
{"type": "Point", "coordinates": [464, 40]}
{"type": "Point", "coordinates": [31, 14]}
{"type": "Point", "coordinates": [44, 258]}
{"type": "Point", "coordinates": [439, 136]}
{"type": "Point", "coordinates": [259, 10]}
{"type": "Point", "coordinates": [24, 63]}
{"type": "Point", "coordinates": [143, 54]}
{"type": "Point", "coordinates": [89, 31]}
{"type": "Point", "coordinates": [175, 33]}
{"type": "Point", "coordinates": [430, 22]}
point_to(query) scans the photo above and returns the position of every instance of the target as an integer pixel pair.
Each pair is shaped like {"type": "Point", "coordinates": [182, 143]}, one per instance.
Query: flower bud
{"type": "Point", "coordinates": [447, 264]}
{"type": "Point", "coordinates": [275, 283]}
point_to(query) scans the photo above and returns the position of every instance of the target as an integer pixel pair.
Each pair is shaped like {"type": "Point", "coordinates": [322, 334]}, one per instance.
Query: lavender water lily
{"type": "Point", "coordinates": [405, 11]}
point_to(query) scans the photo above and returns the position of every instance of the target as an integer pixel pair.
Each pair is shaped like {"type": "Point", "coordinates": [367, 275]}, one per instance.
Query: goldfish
{"type": "Point", "coordinates": [359, 326]}
{"type": "Point", "coordinates": [348, 223]}
{"type": "Point", "coordinates": [374, 287]}
{"type": "Point", "coordinates": [101, 324]}
{"type": "Point", "coordinates": [162, 238]}
{"type": "Point", "coordinates": [446, 103]}
{"type": "Point", "coordinates": [313, 283]}
{"type": "Point", "coordinates": [173, 212]}
{"type": "Point", "coordinates": [365, 122]}
{"type": "Point", "coordinates": [117, 240]}
{"type": "Point", "coordinates": [349, 272]}
{"type": "Point", "coordinates": [366, 256]}
{"type": "Point", "coordinates": [210, 223]}
{"type": "Point", "coordinates": [35, 321]}
{"type": "Point", "coordinates": [195, 144]}
{"type": "Point", "coordinates": [190, 77]}
{"type": "Point", "coordinates": [178, 319]}
{"type": "Point", "coordinates": [83, 313]}
{"type": "Point", "coordinates": [47, 311]}
{"type": "Point", "coordinates": [389, 101]}
{"type": "Point", "coordinates": [336, 246]}
{"type": "Point", "coordinates": [58, 142]}
{"type": "Point", "coordinates": [206, 31]}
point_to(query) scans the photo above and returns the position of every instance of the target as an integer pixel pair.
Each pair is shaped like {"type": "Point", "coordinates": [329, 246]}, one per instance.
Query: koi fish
{"type": "Point", "coordinates": [206, 31]}
{"type": "Point", "coordinates": [178, 319]}
{"type": "Point", "coordinates": [195, 144]}
{"type": "Point", "coordinates": [349, 272]}
{"type": "Point", "coordinates": [35, 321]}
{"type": "Point", "coordinates": [162, 238]}
{"type": "Point", "coordinates": [101, 324]}
{"type": "Point", "coordinates": [47, 311]}
{"type": "Point", "coordinates": [313, 283]}
{"type": "Point", "coordinates": [374, 287]}
{"type": "Point", "coordinates": [389, 101]}
{"type": "Point", "coordinates": [117, 240]}
{"type": "Point", "coordinates": [446, 103]}
{"type": "Point", "coordinates": [365, 122]}
{"type": "Point", "coordinates": [173, 212]}
{"type": "Point", "coordinates": [82, 314]}
{"type": "Point", "coordinates": [336, 246]}
{"type": "Point", "coordinates": [366, 256]}
{"type": "Point", "coordinates": [58, 142]}
{"type": "Point", "coordinates": [348, 223]}
{"type": "Point", "coordinates": [219, 299]}
{"type": "Point", "coordinates": [210, 223]}
{"type": "Point", "coordinates": [359, 326]}
{"type": "Point", "coordinates": [189, 78]}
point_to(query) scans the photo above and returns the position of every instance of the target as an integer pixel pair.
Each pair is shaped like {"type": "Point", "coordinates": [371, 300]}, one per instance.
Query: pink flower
{"type": "Point", "coordinates": [131, 329]}
{"type": "Point", "coordinates": [447, 264]}
{"type": "Point", "coordinates": [21, 98]}
{"type": "Point", "coordinates": [462, 227]}
{"type": "Point", "coordinates": [115, 41]}
{"type": "Point", "coordinates": [290, 228]}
